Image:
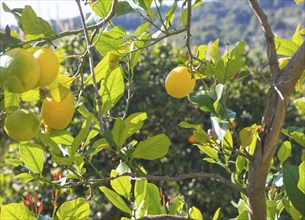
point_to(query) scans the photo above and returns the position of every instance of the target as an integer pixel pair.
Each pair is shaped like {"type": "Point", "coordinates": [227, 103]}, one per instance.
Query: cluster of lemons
{"type": "Point", "coordinates": [21, 71]}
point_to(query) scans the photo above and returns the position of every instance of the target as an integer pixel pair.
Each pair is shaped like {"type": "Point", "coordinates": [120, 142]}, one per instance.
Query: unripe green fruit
{"type": "Point", "coordinates": [22, 125]}
{"type": "Point", "coordinates": [19, 71]}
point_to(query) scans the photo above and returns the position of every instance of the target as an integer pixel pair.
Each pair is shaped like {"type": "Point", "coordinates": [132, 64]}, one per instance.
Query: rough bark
{"type": "Point", "coordinates": [272, 122]}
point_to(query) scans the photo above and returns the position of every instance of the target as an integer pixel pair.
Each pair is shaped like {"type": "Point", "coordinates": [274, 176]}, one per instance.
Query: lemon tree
{"type": "Point", "coordinates": [76, 156]}
{"type": "Point", "coordinates": [22, 125]}
{"type": "Point", "coordinates": [179, 82]}
{"type": "Point", "coordinates": [19, 71]}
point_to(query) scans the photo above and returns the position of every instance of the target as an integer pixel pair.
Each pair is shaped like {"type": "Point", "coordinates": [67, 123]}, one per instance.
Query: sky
{"type": "Point", "coordinates": [47, 9]}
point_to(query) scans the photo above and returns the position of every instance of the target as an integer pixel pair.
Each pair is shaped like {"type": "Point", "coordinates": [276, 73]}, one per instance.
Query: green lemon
{"type": "Point", "coordinates": [19, 71]}
{"type": "Point", "coordinates": [22, 125]}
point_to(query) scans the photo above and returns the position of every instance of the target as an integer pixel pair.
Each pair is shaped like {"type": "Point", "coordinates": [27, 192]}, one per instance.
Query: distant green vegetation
{"type": "Point", "coordinates": [231, 21]}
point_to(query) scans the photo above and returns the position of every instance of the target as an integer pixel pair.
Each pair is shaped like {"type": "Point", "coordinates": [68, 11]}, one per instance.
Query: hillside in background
{"type": "Point", "coordinates": [235, 21]}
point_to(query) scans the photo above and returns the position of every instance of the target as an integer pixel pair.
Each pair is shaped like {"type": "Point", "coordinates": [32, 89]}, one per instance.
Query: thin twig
{"type": "Point", "coordinates": [181, 177]}
{"type": "Point", "coordinates": [271, 49]}
{"type": "Point", "coordinates": [91, 60]}
{"type": "Point", "coordinates": [188, 30]}
{"type": "Point", "coordinates": [155, 40]}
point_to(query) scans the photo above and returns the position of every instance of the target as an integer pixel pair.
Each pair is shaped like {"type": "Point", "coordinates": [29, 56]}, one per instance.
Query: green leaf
{"type": "Point", "coordinates": [214, 53]}
{"type": "Point", "coordinates": [195, 213]}
{"type": "Point", "coordinates": [204, 102]}
{"type": "Point", "coordinates": [271, 209]}
{"type": "Point", "coordinates": [220, 125]}
{"type": "Point", "coordinates": [141, 29]}
{"type": "Point", "coordinates": [297, 36]}
{"type": "Point", "coordinates": [61, 137]}
{"type": "Point", "coordinates": [300, 81]}
{"type": "Point", "coordinates": [152, 148]}
{"type": "Point", "coordinates": [135, 46]}
{"type": "Point", "coordinates": [101, 8]}
{"type": "Point", "coordinates": [15, 211]}
{"type": "Point", "coordinates": [216, 214]}
{"type": "Point", "coordinates": [140, 192]}
{"type": "Point", "coordinates": [32, 156]}
{"type": "Point", "coordinates": [218, 91]}
{"type": "Point", "coordinates": [47, 141]}
{"type": "Point", "coordinates": [246, 136]}
{"type": "Point", "coordinates": [14, 162]}
{"type": "Point", "coordinates": [183, 18]}
{"type": "Point", "coordinates": [61, 161]}
{"type": "Point", "coordinates": [285, 47]}
{"type": "Point", "coordinates": [31, 95]}
{"type": "Point", "coordinates": [117, 132]}
{"type": "Point", "coordinates": [301, 182]}
{"type": "Point", "coordinates": [121, 185]}
{"type": "Point", "coordinates": [300, 104]}
{"type": "Point", "coordinates": [154, 202]}
{"type": "Point", "coordinates": [123, 8]}
{"type": "Point", "coordinates": [291, 179]}
{"type": "Point", "coordinates": [176, 206]}
{"type": "Point", "coordinates": [24, 177]}
{"type": "Point", "coordinates": [171, 11]}
{"type": "Point", "coordinates": [284, 151]}
{"type": "Point", "coordinates": [112, 89]}
{"type": "Point", "coordinates": [201, 136]}
{"type": "Point", "coordinates": [111, 40]}
{"type": "Point", "coordinates": [240, 164]}
{"type": "Point", "coordinates": [108, 63]}
{"type": "Point", "coordinates": [211, 152]}
{"type": "Point", "coordinates": [34, 27]}
{"type": "Point", "coordinates": [11, 101]}
{"type": "Point", "coordinates": [133, 123]}
{"type": "Point", "coordinates": [115, 199]}
{"type": "Point", "coordinates": [145, 4]}
{"type": "Point", "coordinates": [81, 136]}
{"type": "Point", "coordinates": [297, 136]}
{"type": "Point", "coordinates": [291, 210]}
{"type": "Point", "coordinates": [242, 216]}
{"type": "Point", "coordinates": [97, 147]}
{"type": "Point", "coordinates": [74, 209]}
{"type": "Point", "coordinates": [185, 124]}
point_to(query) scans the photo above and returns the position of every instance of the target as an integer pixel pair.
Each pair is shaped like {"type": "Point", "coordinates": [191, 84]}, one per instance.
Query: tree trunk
{"type": "Point", "coordinates": [272, 123]}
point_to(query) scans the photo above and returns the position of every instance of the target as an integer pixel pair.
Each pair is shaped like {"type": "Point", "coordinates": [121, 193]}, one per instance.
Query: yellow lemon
{"type": "Point", "coordinates": [179, 82]}
{"type": "Point", "coordinates": [49, 66]}
{"type": "Point", "coordinates": [57, 115]}
{"type": "Point", "coordinates": [19, 71]}
{"type": "Point", "coordinates": [22, 125]}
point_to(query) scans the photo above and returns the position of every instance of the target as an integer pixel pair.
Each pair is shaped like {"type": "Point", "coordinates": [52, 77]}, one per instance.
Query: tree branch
{"type": "Point", "coordinates": [181, 177]}
{"type": "Point", "coordinates": [271, 49]}
{"type": "Point", "coordinates": [283, 83]}
{"type": "Point", "coordinates": [188, 30]}
{"type": "Point", "coordinates": [90, 54]}
{"type": "Point", "coordinates": [163, 217]}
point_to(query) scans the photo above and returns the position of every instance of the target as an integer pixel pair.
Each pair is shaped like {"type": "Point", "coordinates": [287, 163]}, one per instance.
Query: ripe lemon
{"type": "Point", "coordinates": [57, 115]}
{"type": "Point", "coordinates": [22, 125]}
{"type": "Point", "coordinates": [179, 82]}
{"type": "Point", "coordinates": [19, 71]}
{"type": "Point", "coordinates": [49, 66]}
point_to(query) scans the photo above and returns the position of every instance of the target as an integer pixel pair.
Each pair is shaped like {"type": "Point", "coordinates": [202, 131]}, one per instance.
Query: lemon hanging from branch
{"type": "Point", "coordinates": [179, 82]}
